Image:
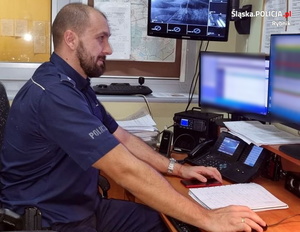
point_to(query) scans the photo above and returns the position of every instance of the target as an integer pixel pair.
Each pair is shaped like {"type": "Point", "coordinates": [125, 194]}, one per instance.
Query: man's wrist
{"type": "Point", "coordinates": [171, 166]}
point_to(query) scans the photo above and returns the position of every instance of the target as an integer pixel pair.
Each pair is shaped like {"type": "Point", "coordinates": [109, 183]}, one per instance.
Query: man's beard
{"type": "Point", "coordinates": [88, 64]}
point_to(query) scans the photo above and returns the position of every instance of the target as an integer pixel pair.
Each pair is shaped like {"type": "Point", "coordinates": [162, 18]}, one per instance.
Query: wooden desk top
{"type": "Point", "coordinates": [271, 216]}
{"type": "Point", "coordinates": [275, 149]}
{"type": "Point", "coordinates": [275, 187]}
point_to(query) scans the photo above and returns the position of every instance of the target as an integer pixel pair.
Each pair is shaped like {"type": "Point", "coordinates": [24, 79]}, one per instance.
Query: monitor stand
{"type": "Point", "coordinates": [292, 150]}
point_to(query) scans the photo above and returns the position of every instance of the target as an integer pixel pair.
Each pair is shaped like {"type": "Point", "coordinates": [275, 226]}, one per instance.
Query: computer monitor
{"type": "Point", "coordinates": [236, 83]}
{"type": "Point", "coordinates": [285, 84]}
{"type": "Point", "coordinates": [183, 19]}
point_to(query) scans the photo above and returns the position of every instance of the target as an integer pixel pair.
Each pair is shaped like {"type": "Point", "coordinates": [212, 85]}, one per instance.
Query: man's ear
{"type": "Point", "coordinates": [71, 39]}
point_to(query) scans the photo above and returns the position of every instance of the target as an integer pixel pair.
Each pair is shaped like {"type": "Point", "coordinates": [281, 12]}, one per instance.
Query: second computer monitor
{"type": "Point", "coordinates": [236, 83]}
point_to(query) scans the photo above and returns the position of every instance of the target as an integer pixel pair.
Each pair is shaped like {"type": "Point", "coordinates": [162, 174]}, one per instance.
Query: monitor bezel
{"type": "Point", "coordinates": [274, 117]}
{"type": "Point", "coordinates": [189, 37]}
{"type": "Point", "coordinates": [234, 113]}
{"type": "Point", "coordinates": [291, 150]}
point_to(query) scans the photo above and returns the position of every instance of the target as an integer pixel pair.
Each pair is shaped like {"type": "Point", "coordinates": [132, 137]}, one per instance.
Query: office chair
{"type": "Point", "coordinates": [104, 186]}
{"type": "Point", "coordinates": [9, 220]}
{"type": "Point", "coordinates": [31, 220]}
{"type": "Point", "coordinates": [4, 108]}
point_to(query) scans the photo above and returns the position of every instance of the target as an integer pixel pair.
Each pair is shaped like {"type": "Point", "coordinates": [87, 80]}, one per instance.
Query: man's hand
{"type": "Point", "coordinates": [199, 172]}
{"type": "Point", "coordinates": [234, 218]}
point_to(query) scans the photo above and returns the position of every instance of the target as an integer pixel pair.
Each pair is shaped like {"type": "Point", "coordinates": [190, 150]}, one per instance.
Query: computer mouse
{"type": "Point", "coordinates": [264, 228]}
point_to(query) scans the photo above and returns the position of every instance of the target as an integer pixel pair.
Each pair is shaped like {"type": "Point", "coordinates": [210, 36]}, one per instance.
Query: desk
{"type": "Point", "coordinates": [272, 216]}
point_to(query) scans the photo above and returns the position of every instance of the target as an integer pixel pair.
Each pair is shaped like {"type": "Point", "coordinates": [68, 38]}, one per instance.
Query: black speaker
{"type": "Point", "coordinates": [192, 127]}
{"type": "Point", "coordinates": [242, 23]}
{"type": "Point", "coordinates": [292, 183]}
{"type": "Point", "coordinates": [165, 143]}
{"type": "Point", "coordinates": [186, 140]}
{"type": "Point", "coordinates": [242, 26]}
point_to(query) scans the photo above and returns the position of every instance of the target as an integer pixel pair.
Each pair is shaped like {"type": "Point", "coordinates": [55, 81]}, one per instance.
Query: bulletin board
{"type": "Point", "coordinates": [25, 30]}
{"type": "Point", "coordinates": [33, 18]}
{"type": "Point", "coordinates": [282, 16]}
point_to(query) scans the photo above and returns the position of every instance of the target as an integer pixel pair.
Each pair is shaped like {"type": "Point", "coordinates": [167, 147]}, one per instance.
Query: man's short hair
{"type": "Point", "coordinates": [75, 17]}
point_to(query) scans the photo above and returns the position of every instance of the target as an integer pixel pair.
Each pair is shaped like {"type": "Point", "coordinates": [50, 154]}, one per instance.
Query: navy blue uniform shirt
{"type": "Point", "coordinates": [55, 131]}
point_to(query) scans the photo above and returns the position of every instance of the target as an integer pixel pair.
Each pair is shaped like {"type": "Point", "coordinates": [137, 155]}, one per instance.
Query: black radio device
{"type": "Point", "coordinates": [192, 127]}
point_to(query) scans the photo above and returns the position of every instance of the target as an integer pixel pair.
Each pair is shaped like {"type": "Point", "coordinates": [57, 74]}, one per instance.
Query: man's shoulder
{"type": "Point", "coordinates": [49, 76]}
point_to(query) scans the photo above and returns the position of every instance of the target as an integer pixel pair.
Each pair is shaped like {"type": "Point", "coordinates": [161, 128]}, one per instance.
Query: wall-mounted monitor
{"type": "Point", "coordinates": [189, 19]}
{"type": "Point", "coordinates": [236, 83]}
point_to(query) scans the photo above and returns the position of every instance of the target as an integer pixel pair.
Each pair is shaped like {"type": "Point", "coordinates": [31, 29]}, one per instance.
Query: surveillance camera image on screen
{"type": "Point", "coordinates": [180, 12]}
{"type": "Point", "coordinates": [189, 19]}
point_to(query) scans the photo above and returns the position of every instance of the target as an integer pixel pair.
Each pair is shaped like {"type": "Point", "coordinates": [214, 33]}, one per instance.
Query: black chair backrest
{"type": "Point", "coordinates": [4, 109]}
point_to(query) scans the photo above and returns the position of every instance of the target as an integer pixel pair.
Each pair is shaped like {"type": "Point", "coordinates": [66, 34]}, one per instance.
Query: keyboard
{"type": "Point", "coordinates": [208, 161]}
{"type": "Point", "coordinates": [182, 226]}
{"type": "Point", "coordinates": [121, 89]}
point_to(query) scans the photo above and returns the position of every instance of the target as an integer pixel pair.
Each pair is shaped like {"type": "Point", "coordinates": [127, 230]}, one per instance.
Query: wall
{"type": "Point", "coordinates": [14, 76]}
{"type": "Point", "coordinates": [163, 112]}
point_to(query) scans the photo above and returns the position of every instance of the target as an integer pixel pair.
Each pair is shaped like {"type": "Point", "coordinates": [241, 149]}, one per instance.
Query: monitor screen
{"type": "Point", "coordinates": [234, 82]}
{"type": "Point", "coordinates": [285, 84]}
{"type": "Point", "coordinates": [285, 78]}
{"type": "Point", "coordinates": [253, 156]}
{"type": "Point", "coordinates": [229, 146]}
{"type": "Point", "coordinates": [183, 19]}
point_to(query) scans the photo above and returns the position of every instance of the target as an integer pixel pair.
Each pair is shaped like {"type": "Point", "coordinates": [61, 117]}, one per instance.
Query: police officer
{"type": "Point", "coordinates": [59, 136]}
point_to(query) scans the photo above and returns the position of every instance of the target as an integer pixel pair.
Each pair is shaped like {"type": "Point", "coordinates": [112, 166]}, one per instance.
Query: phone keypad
{"type": "Point", "coordinates": [209, 161]}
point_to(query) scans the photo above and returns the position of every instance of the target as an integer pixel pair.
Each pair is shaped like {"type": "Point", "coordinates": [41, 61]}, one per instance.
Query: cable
{"type": "Point", "coordinates": [277, 223]}
{"type": "Point", "coordinates": [146, 101]}
{"type": "Point", "coordinates": [206, 46]}
{"type": "Point", "coordinates": [194, 80]}
{"type": "Point", "coordinates": [196, 76]}
{"type": "Point", "coordinates": [166, 128]}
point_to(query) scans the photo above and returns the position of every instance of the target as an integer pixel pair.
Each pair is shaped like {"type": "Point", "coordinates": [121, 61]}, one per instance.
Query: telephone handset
{"type": "Point", "coordinates": [201, 148]}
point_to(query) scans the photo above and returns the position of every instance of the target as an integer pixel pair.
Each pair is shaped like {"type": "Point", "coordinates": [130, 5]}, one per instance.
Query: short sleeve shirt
{"type": "Point", "coordinates": [55, 131]}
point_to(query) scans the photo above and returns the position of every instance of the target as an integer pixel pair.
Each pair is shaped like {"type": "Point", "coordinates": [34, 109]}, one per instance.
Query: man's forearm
{"type": "Point", "coordinates": [151, 188]}
{"type": "Point", "coordinates": [146, 153]}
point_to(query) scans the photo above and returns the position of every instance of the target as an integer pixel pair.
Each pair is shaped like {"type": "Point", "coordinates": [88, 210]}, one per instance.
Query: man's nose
{"type": "Point", "coordinates": [107, 49]}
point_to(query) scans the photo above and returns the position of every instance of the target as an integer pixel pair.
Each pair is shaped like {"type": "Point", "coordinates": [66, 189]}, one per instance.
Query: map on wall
{"type": "Point", "coordinates": [129, 40]}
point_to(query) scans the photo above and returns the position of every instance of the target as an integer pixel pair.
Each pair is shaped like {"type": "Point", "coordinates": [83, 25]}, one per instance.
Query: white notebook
{"type": "Point", "coordinates": [252, 195]}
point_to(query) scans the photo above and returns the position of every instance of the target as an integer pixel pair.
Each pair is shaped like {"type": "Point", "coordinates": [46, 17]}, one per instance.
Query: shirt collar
{"type": "Point", "coordinates": [63, 67]}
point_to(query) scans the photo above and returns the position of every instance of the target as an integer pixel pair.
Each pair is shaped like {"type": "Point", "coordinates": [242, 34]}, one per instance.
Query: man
{"type": "Point", "coordinates": [59, 136]}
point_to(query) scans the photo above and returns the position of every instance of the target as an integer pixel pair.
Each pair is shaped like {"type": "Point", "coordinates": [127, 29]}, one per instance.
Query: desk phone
{"type": "Point", "coordinates": [235, 159]}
